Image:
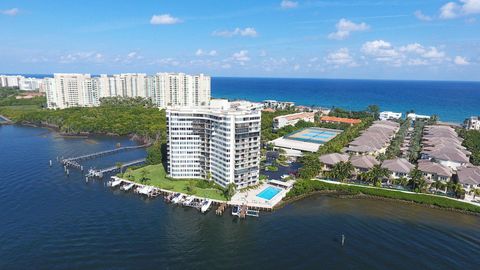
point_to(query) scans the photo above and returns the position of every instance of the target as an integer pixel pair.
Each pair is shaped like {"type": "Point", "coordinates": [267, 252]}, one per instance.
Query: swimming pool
{"type": "Point", "coordinates": [268, 193]}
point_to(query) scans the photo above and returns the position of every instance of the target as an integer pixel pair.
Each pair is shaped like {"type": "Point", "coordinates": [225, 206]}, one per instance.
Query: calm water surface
{"type": "Point", "coordinates": [50, 221]}
{"type": "Point", "coordinates": [452, 101]}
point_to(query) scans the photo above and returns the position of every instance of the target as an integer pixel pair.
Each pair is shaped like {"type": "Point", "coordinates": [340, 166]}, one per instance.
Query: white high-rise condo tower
{"type": "Point", "coordinates": [164, 89]}
{"type": "Point", "coordinates": [219, 142]}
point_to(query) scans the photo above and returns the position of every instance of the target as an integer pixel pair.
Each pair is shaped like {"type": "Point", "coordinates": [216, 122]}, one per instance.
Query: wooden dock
{"type": "Point", "coordinates": [101, 172]}
{"type": "Point", "coordinates": [73, 161]}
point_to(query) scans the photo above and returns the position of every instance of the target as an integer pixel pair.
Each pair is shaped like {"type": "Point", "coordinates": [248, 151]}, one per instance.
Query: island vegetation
{"type": "Point", "coordinates": [114, 116]}
{"type": "Point", "coordinates": [472, 143]}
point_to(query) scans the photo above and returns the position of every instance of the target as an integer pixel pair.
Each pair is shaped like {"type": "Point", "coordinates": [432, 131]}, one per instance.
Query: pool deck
{"type": "Point", "coordinates": [250, 198]}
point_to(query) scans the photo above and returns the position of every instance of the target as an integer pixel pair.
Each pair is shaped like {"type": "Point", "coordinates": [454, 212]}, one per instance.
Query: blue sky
{"type": "Point", "coordinates": [404, 39]}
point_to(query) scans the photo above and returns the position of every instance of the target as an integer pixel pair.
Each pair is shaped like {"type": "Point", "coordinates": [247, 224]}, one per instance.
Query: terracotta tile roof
{"type": "Point", "coordinates": [340, 120]}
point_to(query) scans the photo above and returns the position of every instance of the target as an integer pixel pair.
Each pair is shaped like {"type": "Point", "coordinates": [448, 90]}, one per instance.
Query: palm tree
{"type": "Point", "coordinates": [417, 181]}
{"type": "Point", "coordinates": [476, 192]}
{"type": "Point", "coordinates": [342, 171]}
{"type": "Point", "coordinates": [119, 166]}
{"type": "Point", "coordinates": [402, 181]}
{"type": "Point", "coordinates": [458, 190]}
{"type": "Point", "coordinates": [144, 177]}
{"type": "Point", "coordinates": [376, 174]}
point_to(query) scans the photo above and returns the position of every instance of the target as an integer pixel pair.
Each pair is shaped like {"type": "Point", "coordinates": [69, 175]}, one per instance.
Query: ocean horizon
{"type": "Point", "coordinates": [452, 101]}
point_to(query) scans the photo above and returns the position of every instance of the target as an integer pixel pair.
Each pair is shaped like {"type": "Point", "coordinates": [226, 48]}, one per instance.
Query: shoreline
{"type": "Point", "coordinates": [283, 202]}
{"type": "Point", "coordinates": [82, 135]}
{"type": "Point", "coordinates": [345, 195]}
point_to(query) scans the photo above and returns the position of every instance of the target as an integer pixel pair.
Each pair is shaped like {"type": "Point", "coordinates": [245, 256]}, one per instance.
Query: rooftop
{"type": "Point", "coordinates": [434, 168]}
{"type": "Point", "coordinates": [398, 165]}
{"type": "Point", "coordinates": [364, 162]}
{"type": "Point", "coordinates": [469, 175]}
{"type": "Point", "coordinates": [340, 120]}
{"type": "Point", "coordinates": [334, 158]}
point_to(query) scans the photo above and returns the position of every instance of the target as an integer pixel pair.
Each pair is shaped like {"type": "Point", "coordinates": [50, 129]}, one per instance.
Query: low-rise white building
{"type": "Point", "coordinates": [415, 116]}
{"type": "Point", "coordinates": [387, 115]}
{"type": "Point", "coordinates": [292, 119]}
{"type": "Point", "coordinates": [278, 105]}
{"type": "Point", "coordinates": [472, 123]}
{"type": "Point", "coordinates": [220, 141]}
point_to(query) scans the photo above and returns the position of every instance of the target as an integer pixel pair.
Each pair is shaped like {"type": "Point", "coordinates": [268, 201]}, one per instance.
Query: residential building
{"type": "Point", "coordinates": [472, 123]}
{"type": "Point", "coordinates": [363, 163]}
{"type": "Point", "coordinates": [387, 115]}
{"type": "Point", "coordinates": [10, 80]}
{"type": "Point", "coordinates": [415, 116]}
{"type": "Point", "coordinates": [29, 84]}
{"type": "Point", "coordinates": [398, 167]}
{"type": "Point", "coordinates": [469, 177]}
{"type": "Point", "coordinates": [220, 141]}
{"type": "Point", "coordinates": [340, 120]}
{"type": "Point", "coordinates": [329, 160]}
{"type": "Point", "coordinates": [374, 140]}
{"type": "Point", "coordinates": [441, 144]}
{"type": "Point", "coordinates": [70, 90]}
{"type": "Point", "coordinates": [292, 119]}
{"type": "Point", "coordinates": [433, 171]}
{"type": "Point", "coordinates": [164, 89]}
{"type": "Point", "coordinates": [278, 105]}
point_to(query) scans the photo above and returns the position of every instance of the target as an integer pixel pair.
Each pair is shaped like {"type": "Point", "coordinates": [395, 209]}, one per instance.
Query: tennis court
{"type": "Point", "coordinates": [314, 135]}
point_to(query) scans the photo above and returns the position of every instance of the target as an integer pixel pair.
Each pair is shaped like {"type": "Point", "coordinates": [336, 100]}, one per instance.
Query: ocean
{"type": "Point", "coordinates": [452, 101]}
{"type": "Point", "coordinates": [53, 221]}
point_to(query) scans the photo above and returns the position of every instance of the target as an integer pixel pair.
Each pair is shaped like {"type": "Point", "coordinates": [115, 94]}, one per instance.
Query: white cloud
{"type": "Point", "coordinates": [413, 54]}
{"type": "Point", "coordinates": [380, 50]}
{"type": "Point", "coordinates": [246, 32]}
{"type": "Point", "coordinates": [81, 57]}
{"type": "Point", "coordinates": [241, 56]}
{"type": "Point", "coordinates": [461, 61]}
{"type": "Point", "coordinates": [422, 16]}
{"type": "Point", "coordinates": [262, 53]}
{"type": "Point", "coordinates": [10, 12]}
{"type": "Point", "coordinates": [417, 62]}
{"type": "Point", "coordinates": [164, 19]}
{"type": "Point", "coordinates": [201, 52]}
{"type": "Point", "coordinates": [471, 6]}
{"type": "Point", "coordinates": [413, 48]}
{"type": "Point", "coordinates": [433, 52]}
{"type": "Point", "coordinates": [286, 4]}
{"type": "Point", "coordinates": [340, 57]}
{"type": "Point", "coordinates": [345, 27]}
{"type": "Point", "coordinates": [296, 67]}
{"type": "Point", "coordinates": [452, 10]}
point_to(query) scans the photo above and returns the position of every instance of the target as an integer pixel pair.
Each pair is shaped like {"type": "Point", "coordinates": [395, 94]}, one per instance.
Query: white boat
{"type": "Point", "coordinates": [181, 199]}
{"type": "Point", "coordinates": [146, 190]}
{"type": "Point", "coordinates": [188, 200]}
{"type": "Point", "coordinates": [115, 183]}
{"type": "Point", "coordinates": [176, 198]}
{"type": "Point", "coordinates": [127, 187]}
{"type": "Point", "coordinates": [236, 210]}
{"type": "Point", "coordinates": [205, 205]}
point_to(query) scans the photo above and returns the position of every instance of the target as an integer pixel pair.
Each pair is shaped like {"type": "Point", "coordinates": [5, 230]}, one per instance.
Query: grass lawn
{"type": "Point", "coordinates": [158, 178]}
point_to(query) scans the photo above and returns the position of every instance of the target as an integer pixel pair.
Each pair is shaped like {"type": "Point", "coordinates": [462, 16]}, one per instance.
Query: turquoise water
{"type": "Point", "coordinates": [314, 135]}
{"type": "Point", "coordinates": [452, 101]}
{"type": "Point", "coordinates": [268, 193]}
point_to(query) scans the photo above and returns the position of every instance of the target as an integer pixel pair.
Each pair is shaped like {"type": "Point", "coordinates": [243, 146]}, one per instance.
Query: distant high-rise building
{"type": "Point", "coordinates": [220, 142]}
{"type": "Point", "coordinates": [164, 89]}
